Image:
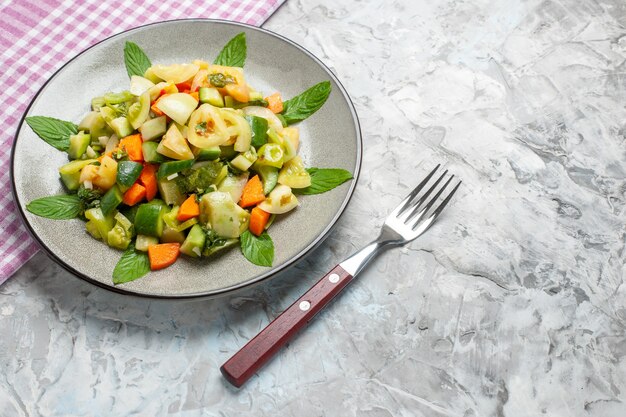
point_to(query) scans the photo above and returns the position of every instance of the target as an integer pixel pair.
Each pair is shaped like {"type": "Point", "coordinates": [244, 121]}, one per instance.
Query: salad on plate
{"type": "Point", "coordinates": [190, 160]}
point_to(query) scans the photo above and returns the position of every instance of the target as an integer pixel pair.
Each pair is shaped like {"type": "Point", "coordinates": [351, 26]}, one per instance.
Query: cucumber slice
{"type": "Point", "coordinates": [173, 167]}
{"type": "Point", "coordinates": [95, 125]}
{"type": "Point", "coordinates": [244, 160]}
{"type": "Point", "coordinates": [111, 199]}
{"type": "Point", "coordinates": [149, 220]}
{"type": "Point", "coordinates": [259, 127]}
{"type": "Point", "coordinates": [97, 102]}
{"type": "Point", "coordinates": [269, 176]}
{"type": "Point", "coordinates": [143, 242]}
{"type": "Point", "coordinates": [207, 154]}
{"type": "Point", "coordinates": [150, 154]}
{"type": "Point", "coordinates": [210, 95]}
{"type": "Point", "coordinates": [128, 172]}
{"type": "Point", "coordinates": [194, 243]}
{"type": "Point", "coordinates": [78, 144]}
{"type": "Point", "coordinates": [228, 152]}
{"type": "Point", "coordinates": [138, 112]}
{"type": "Point", "coordinates": [153, 128]}
{"type": "Point", "coordinates": [121, 126]}
{"type": "Point", "coordinates": [130, 212]}
{"type": "Point", "coordinates": [170, 192]}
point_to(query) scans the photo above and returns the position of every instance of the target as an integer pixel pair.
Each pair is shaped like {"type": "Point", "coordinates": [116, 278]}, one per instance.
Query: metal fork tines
{"type": "Point", "coordinates": [410, 219]}
{"type": "Point", "coordinates": [415, 214]}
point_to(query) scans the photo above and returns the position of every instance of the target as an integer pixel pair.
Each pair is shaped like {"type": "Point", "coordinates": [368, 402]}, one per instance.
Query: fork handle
{"type": "Point", "coordinates": [243, 364]}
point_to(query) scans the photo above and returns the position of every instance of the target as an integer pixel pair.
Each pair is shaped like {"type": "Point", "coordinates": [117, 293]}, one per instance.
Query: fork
{"type": "Point", "coordinates": [410, 219]}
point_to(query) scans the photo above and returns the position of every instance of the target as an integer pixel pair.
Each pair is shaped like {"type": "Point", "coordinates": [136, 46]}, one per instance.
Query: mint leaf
{"type": "Point", "coordinates": [136, 60]}
{"type": "Point", "coordinates": [258, 250]}
{"type": "Point", "coordinates": [234, 53]}
{"type": "Point", "coordinates": [324, 179]}
{"type": "Point", "coordinates": [304, 105]}
{"type": "Point", "coordinates": [57, 207]}
{"type": "Point", "coordinates": [132, 265]}
{"type": "Point", "coordinates": [54, 131]}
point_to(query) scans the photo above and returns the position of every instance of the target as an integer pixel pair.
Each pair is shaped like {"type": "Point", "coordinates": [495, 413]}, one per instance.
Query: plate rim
{"type": "Point", "coordinates": [233, 288]}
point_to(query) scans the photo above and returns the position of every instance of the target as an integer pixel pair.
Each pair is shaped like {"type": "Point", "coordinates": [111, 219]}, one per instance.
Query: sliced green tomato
{"type": "Point", "coordinates": [151, 76]}
{"type": "Point", "coordinates": [269, 176]}
{"type": "Point", "coordinates": [233, 185]}
{"type": "Point", "coordinates": [207, 128]}
{"type": "Point", "coordinates": [288, 146]}
{"type": "Point", "coordinates": [226, 218]}
{"type": "Point", "coordinates": [177, 106]}
{"type": "Point", "coordinates": [210, 95]}
{"type": "Point", "coordinates": [121, 234]}
{"type": "Point", "coordinates": [294, 175]}
{"type": "Point", "coordinates": [238, 128]}
{"type": "Point", "coordinates": [207, 154]}
{"type": "Point", "coordinates": [143, 242]}
{"type": "Point", "coordinates": [175, 73]}
{"type": "Point", "coordinates": [108, 114]}
{"type": "Point", "coordinates": [78, 144]}
{"type": "Point", "coordinates": [111, 199]}
{"type": "Point", "coordinates": [258, 127]}
{"type": "Point", "coordinates": [173, 145]}
{"type": "Point", "coordinates": [95, 124]}
{"type": "Point", "coordinates": [150, 154]}
{"type": "Point", "coordinates": [194, 243]}
{"type": "Point", "coordinates": [281, 200]}
{"type": "Point", "coordinates": [117, 98]}
{"type": "Point", "coordinates": [153, 128]}
{"type": "Point", "coordinates": [270, 154]}
{"type": "Point", "coordinates": [139, 85]}
{"type": "Point", "coordinates": [227, 243]}
{"type": "Point", "coordinates": [173, 167]}
{"type": "Point", "coordinates": [291, 135]}
{"type": "Point", "coordinates": [149, 220]}
{"type": "Point", "coordinates": [170, 192]}
{"type": "Point", "coordinates": [138, 112]}
{"type": "Point", "coordinates": [128, 172]}
{"type": "Point", "coordinates": [98, 225]}
{"type": "Point", "coordinates": [121, 126]}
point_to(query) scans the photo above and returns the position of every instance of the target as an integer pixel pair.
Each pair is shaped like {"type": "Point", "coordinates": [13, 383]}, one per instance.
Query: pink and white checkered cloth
{"type": "Point", "coordinates": [37, 37]}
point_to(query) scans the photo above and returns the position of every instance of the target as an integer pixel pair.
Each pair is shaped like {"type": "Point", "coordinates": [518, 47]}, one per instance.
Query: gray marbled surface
{"type": "Point", "coordinates": [514, 304]}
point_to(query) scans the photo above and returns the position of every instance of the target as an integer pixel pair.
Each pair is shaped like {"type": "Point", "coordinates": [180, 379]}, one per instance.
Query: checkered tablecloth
{"type": "Point", "coordinates": [37, 37]}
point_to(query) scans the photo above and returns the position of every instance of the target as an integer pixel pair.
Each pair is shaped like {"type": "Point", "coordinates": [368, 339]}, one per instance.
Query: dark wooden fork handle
{"type": "Point", "coordinates": [243, 364]}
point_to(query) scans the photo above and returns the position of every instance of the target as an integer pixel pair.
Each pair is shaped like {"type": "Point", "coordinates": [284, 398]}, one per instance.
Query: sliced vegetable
{"type": "Point", "coordinates": [106, 174]}
{"type": "Point", "coordinates": [78, 144]}
{"type": "Point", "coordinates": [281, 200]}
{"type": "Point", "coordinates": [95, 124]}
{"type": "Point", "coordinates": [128, 172]}
{"type": "Point", "coordinates": [139, 85]}
{"type": "Point", "coordinates": [153, 128]}
{"type": "Point", "coordinates": [200, 179]}
{"type": "Point", "coordinates": [163, 255]}
{"type": "Point", "coordinates": [135, 194]}
{"type": "Point", "coordinates": [210, 95]}
{"type": "Point", "coordinates": [270, 154]}
{"type": "Point", "coordinates": [294, 175]}
{"type": "Point", "coordinates": [171, 235]}
{"type": "Point", "coordinates": [99, 225]}
{"type": "Point", "coordinates": [238, 129]}
{"type": "Point", "coordinates": [189, 209]}
{"type": "Point", "coordinates": [226, 218]}
{"type": "Point", "coordinates": [175, 73]}
{"type": "Point", "coordinates": [269, 175]}
{"type": "Point", "coordinates": [207, 128]}
{"type": "Point", "coordinates": [178, 106]}
{"type": "Point", "coordinates": [150, 154]}
{"type": "Point", "coordinates": [194, 243]}
{"type": "Point", "coordinates": [170, 191]}
{"type": "Point", "coordinates": [173, 145]}
{"type": "Point", "coordinates": [234, 185]}
{"type": "Point", "coordinates": [245, 160]}
{"type": "Point", "coordinates": [143, 242]}
{"type": "Point", "coordinates": [166, 169]}
{"type": "Point", "coordinates": [207, 154]}
{"type": "Point", "coordinates": [272, 119]}
{"type": "Point", "coordinates": [131, 144]}
{"type": "Point", "coordinates": [148, 179]}
{"type": "Point", "coordinates": [274, 103]}
{"type": "Point", "coordinates": [110, 200]}
{"type": "Point", "coordinates": [149, 220]}
{"type": "Point", "coordinates": [252, 193]}
{"type": "Point", "coordinates": [121, 234]}
{"type": "Point", "coordinates": [138, 112]}
{"type": "Point", "coordinates": [258, 221]}
{"type": "Point", "coordinates": [70, 172]}
{"type": "Point", "coordinates": [258, 127]}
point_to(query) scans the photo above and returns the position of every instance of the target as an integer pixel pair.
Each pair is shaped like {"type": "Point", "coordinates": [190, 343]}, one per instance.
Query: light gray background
{"type": "Point", "coordinates": [514, 304]}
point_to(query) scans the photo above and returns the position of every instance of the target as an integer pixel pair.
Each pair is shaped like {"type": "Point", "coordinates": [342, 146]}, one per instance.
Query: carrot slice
{"type": "Point", "coordinates": [163, 255]}
{"type": "Point", "coordinates": [252, 193]}
{"type": "Point", "coordinates": [134, 194]}
{"type": "Point", "coordinates": [274, 103]}
{"type": "Point", "coordinates": [132, 145]}
{"type": "Point", "coordinates": [188, 209]}
{"type": "Point", "coordinates": [148, 179]}
{"type": "Point", "coordinates": [258, 221]}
